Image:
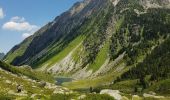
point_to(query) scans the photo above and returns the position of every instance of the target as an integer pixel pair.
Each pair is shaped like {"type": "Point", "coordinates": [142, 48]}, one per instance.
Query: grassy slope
{"type": "Point", "coordinates": [162, 87]}
{"type": "Point", "coordinates": [15, 80]}
{"type": "Point", "coordinates": [58, 57]}
{"type": "Point", "coordinates": [101, 57]}
{"type": "Point", "coordinates": [12, 76]}
{"type": "Point", "coordinates": [36, 75]}
{"type": "Point", "coordinates": [99, 81]}
{"type": "Point", "coordinates": [12, 55]}
{"type": "Point", "coordinates": [9, 79]}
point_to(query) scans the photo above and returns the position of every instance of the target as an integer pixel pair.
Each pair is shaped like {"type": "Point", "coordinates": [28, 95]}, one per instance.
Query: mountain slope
{"type": "Point", "coordinates": [2, 55]}
{"type": "Point", "coordinates": [96, 38]}
{"type": "Point", "coordinates": [58, 32]}
{"type": "Point", "coordinates": [11, 77]}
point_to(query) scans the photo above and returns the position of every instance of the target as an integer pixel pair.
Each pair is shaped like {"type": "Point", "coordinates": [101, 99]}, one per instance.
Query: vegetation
{"type": "Point", "coordinates": [98, 97]}
{"type": "Point", "coordinates": [97, 37]}
{"type": "Point", "coordinates": [65, 52]}
{"type": "Point", "coordinates": [18, 50]}
{"type": "Point", "coordinates": [100, 58]}
{"type": "Point", "coordinates": [26, 71]}
{"type": "Point", "coordinates": [135, 40]}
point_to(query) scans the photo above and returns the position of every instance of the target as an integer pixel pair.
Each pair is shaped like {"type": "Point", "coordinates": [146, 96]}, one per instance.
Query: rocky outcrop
{"type": "Point", "coordinates": [112, 93]}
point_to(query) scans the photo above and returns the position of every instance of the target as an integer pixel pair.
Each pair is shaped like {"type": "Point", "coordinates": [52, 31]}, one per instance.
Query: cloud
{"type": "Point", "coordinates": [21, 25]}
{"type": "Point", "coordinates": [18, 19]}
{"type": "Point", "coordinates": [1, 13]}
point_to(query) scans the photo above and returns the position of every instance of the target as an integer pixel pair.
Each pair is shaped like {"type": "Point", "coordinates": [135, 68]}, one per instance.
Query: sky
{"type": "Point", "coordinates": [21, 18]}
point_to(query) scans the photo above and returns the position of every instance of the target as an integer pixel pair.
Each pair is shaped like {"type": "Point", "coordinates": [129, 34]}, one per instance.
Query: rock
{"type": "Point", "coordinates": [14, 83]}
{"type": "Point", "coordinates": [147, 95]}
{"type": "Point", "coordinates": [81, 97]}
{"type": "Point", "coordinates": [153, 96]}
{"type": "Point", "coordinates": [113, 93]}
{"type": "Point", "coordinates": [42, 84]}
{"type": "Point", "coordinates": [11, 92]}
{"type": "Point", "coordinates": [124, 98]}
{"type": "Point", "coordinates": [8, 82]}
{"type": "Point", "coordinates": [135, 97]}
{"type": "Point", "coordinates": [24, 92]}
{"type": "Point", "coordinates": [152, 93]}
{"type": "Point", "coordinates": [50, 86]}
{"type": "Point", "coordinates": [58, 91]}
{"type": "Point", "coordinates": [34, 86]}
{"type": "Point", "coordinates": [33, 95]}
{"type": "Point", "coordinates": [21, 94]}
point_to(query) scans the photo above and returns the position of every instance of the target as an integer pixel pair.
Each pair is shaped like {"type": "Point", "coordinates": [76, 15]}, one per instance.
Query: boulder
{"type": "Point", "coordinates": [8, 82]}
{"type": "Point", "coordinates": [135, 97]}
{"type": "Point", "coordinates": [112, 93]}
{"type": "Point", "coordinates": [42, 84]}
{"type": "Point", "coordinates": [81, 97]}
{"type": "Point", "coordinates": [152, 96]}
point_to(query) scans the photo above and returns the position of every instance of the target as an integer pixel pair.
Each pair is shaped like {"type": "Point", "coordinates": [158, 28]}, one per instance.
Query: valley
{"type": "Point", "coordinates": [97, 50]}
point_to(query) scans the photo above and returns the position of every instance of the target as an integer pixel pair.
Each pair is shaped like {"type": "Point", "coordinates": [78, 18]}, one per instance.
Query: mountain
{"type": "Point", "coordinates": [96, 38]}
{"type": "Point", "coordinates": [2, 55]}
{"type": "Point", "coordinates": [103, 44]}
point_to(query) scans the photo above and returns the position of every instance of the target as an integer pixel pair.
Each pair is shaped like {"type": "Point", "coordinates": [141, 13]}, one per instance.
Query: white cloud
{"type": "Point", "coordinates": [18, 24]}
{"type": "Point", "coordinates": [21, 25]}
{"type": "Point", "coordinates": [1, 13]}
{"type": "Point", "coordinates": [18, 19]}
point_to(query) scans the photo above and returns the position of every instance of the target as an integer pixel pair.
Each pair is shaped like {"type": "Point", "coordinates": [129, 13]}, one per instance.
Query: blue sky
{"type": "Point", "coordinates": [21, 18]}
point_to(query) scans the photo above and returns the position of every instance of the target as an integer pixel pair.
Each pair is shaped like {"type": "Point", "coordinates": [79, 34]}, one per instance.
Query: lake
{"type": "Point", "coordinates": [60, 80]}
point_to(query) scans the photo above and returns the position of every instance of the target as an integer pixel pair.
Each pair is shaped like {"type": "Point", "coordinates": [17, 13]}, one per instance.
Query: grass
{"type": "Point", "coordinates": [12, 55]}
{"type": "Point", "coordinates": [162, 87]}
{"type": "Point", "coordinates": [97, 82]}
{"type": "Point", "coordinates": [98, 97]}
{"type": "Point", "coordinates": [11, 74]}
{"type": "Point", "coordinates": [35, 75]}
{"type": "Point", "coordinates": [62, 96]}
{"type": "Point", "coordinates": [58, 57]}
{"type": "Point", "coordinates": [101, 58]}
{"type": "Point", "coordinates": [101, 80]}
{"type": "Point", "coordinates": [15, 80]}
{"type": "Point", "coordinates": [126, 86]}
{"type": "Point", "coordinates": [76, 54]}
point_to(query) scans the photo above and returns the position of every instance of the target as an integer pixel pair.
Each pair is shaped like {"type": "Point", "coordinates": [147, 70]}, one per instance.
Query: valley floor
{"type": "Point", "coordinates": [73, 90]}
